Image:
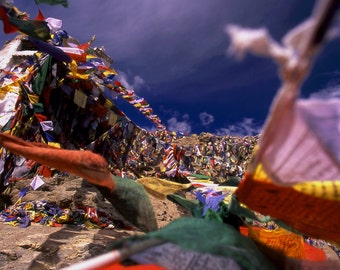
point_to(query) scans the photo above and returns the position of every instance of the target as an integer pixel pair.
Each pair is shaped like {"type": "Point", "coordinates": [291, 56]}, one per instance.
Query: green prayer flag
{"type": "Point", "coordinates": [53, 2]}
{"type": "Point", "coordinates": [132, 201]}
{"type": "Point", "coordinates": [208, 236]}
{"type": "Point", "coordinates": [32, 28]}
{"type": "Point", "coordinates": [40, 78]}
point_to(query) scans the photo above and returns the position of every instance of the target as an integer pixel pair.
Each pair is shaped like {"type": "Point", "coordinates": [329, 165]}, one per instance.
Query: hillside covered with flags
{"type": "Point", "coordinates": [267, 201]}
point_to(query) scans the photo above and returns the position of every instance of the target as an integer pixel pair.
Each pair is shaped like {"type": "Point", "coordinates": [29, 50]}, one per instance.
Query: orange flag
{"type": "Point", "coordinates": [86, 164]}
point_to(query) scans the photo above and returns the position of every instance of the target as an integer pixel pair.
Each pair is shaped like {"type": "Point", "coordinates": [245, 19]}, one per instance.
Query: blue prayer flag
{"type": "Point", "coordinates": [23, 191]}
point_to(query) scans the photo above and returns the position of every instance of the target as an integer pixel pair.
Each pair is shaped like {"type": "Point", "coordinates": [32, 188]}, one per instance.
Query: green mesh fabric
{"type": "Point", "coordinates": [193, 206]}
{"type": "Point", "coordinates": [207, 236]}
{"type": "Point", "coordinates": [131, 200]}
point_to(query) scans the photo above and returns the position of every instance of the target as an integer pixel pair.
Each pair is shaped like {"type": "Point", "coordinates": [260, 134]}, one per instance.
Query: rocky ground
{"type": "Point", "coordinates": [43, 247]}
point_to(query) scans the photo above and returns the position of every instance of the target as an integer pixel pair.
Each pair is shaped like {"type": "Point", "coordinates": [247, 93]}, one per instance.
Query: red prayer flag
{"type": "Point", "coordinates": [8, 27]}
{"type": "Point", "coordinates": [40, 16]}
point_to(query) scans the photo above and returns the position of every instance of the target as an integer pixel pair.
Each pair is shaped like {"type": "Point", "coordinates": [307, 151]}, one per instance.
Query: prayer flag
{"type": "Point", "coordinates": [80, 99]}
{"type": "Point", "coordinates": [37, 182]}
{"type": "Point", "coordinates": [93, 167]}
{"type": "Point", "coordinates": [23, 191]}
{"type": "Point", "coordinates": [306, 147]}
{"type": "Point", "coordinates": [40, 78]}
{"type": "Point", "coordinates": [64, 3]}
{"type": "Point", "coordinates": [36, 29]}
{"type": "Point", "coordinates": [54, 24]}
{"type": "Point", "coordinates": [8, 27]}
{"type": "Point", "coordinates": [47, 125]}
{"type": "Point", "coordinates": [54, 51]}
{"type": "Point", "coordinates": [40, 16]}
{"type": "Point", "coordinates": [299, 144]}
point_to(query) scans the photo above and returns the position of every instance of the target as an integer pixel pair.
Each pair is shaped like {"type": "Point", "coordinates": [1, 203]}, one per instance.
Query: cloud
{"type": "Point", "coordinates": [245, 128]}
{"type": "Point", "coordinates": [167, 36]}
{"type": "Point", "coordinates": [137, 83]}
{"type": "Point", "coordinates": [329, 92]}
{"type": "Point", "coordinates": [206, 118]}
{"type": "Point", "coordinates": [179, 126]}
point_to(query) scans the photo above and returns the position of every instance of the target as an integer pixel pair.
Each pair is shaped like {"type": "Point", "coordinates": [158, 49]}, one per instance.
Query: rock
{"type": "Point", "coordinates": [8, 255]}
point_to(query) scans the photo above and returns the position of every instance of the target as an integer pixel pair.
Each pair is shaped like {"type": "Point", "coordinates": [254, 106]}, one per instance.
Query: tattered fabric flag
{"type": "Point", "coordinates": [306, 148]}
{"type": "Point", "coordinates": [172, 256]}
{"type": "Point", "coordinates": [7, 107]}
{"type": "Point", "coordinates": [161, 187]}
{"type": "Point", "coordinates": [313, 216]}
{"type": "Point", "coordinates": [214, 238]}
{"type": "Point", "coordinates": [50, 137]}
{"type": "Point", "coordinates": [86, 164]}
{"type": "Point", "coordinates": [37, 182]}
{"type": "Point", "coordinates": [64, 3]}
{"type": "Point", "coordinates": [34, 28]}
{"type": "Point", "coordinates": [210, 200]}
{"type": "Point", "coordinates": [8, 27]}
{"type": "Point", "coordinates": [40, 78]}
{"type": "Point", "coordinates": [75, 53]}
{"type": "Point", "coordinates": [40, 117]}
{"type": "Point", "coordinates": [54, 24]}
{"type": "Point", "coordinates": [112, 118]}
{"type": "Point", "coordinates": [24, 221]}
{"type": "Point", "coordinates": [288, 245]}
{"type": "Point", "coordinates": [80, 99]}
{"type": "Point", "coordinates": [51, 50]}
{"type": "Point", "coordinates": [47, 125]}
{"type": "Point", "coordinates": [23, 191]}
{"type": "Point", "coordinates": [299, 141]}
{"type": "Point", "coordinates": [40, 16]}
{"type": "Point", "coordinates": [34, 99]}
{"type": "Point", "coordinates": [298, 134]}
{"type": "Point", "coordinates": [74, 71]}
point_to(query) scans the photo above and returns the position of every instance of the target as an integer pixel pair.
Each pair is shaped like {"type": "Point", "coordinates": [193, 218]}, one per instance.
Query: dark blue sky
{"type": "Point", "coordinates": [173, 53]}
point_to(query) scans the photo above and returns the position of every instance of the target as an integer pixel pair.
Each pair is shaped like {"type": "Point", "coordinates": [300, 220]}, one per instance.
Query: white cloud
{"type": "Point", "coordinates": [179, 126]}
{"type": "Point", "coordinates": [206, 118]}
{"type": "Point", "coordinates": [137, 83]}
{"type": "Point", "coordinates": [245, 128]}
{"type": "Point", "coordinates": [329, 92]}
{"type": "Point", "coordinates": [185, 116]}
{"type": "Point", "coordinates": [151, 39]}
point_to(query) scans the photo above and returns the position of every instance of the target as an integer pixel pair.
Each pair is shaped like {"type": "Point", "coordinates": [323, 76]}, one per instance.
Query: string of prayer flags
{"type": "Point", "coordinates": [62, 93]}
{"type": "Point", "coordinates": [138, 102]}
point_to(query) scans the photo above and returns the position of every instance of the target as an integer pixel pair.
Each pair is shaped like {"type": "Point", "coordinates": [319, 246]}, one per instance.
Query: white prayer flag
{"type": "Point", "coordinates": [37, 182]}
{"type": "Point", "coordinates": [299, 142]}
{"type": "Point", "coordinates": [46, 125]}
{"type": "Point", "coordinates": [54, 24]}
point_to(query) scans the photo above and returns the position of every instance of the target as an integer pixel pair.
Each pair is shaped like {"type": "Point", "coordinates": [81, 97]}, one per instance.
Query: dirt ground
{"type": "Point", "coordinates": [40, 247]}
{"type": "Point", "coordinates": [43, 247]}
